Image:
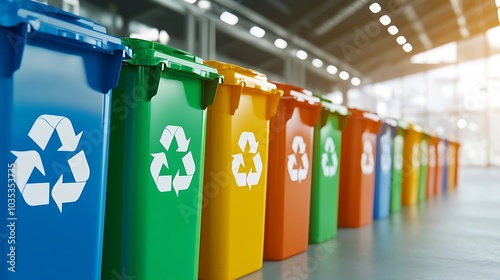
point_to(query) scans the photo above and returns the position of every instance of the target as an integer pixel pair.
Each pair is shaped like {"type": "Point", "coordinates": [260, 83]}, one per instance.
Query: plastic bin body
{"type": "Point", "coordinates": [55, 86]}
{"type": "Point", "coordinates": [452, 164]}
{"type": "Point", "coordinates": [445, 166]}
{"type": "Point", "coordinates": [431, 166]}
{"type": "Point", "coordinates": [383, 171]}
{"type": "Point", "coordinates": [156, 163]}
{"type": "Point", "coordinates": [289, 173]}
{"type": "Point", "coordinates": [326, 172]}
{"type": "Point", "coordinates": [411, 165]}
{"type": "Point", "coordinates": [424, 162]}
{"type": "Point", "coordinates": [457, 157]}
{"type": "Point", "coordinates": [357, 169]}
{"type": "Point", "coordinates": [441, 149]}
{"type": "Point", "coordinates": [397, 167]}
{"type": "Point", "coordinates": [232, 230]}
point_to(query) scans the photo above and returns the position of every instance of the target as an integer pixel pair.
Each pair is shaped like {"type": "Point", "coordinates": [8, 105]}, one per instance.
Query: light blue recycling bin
{"type": "Point", "coordinates": [56, 73]}
{"type": "Point", "coordinates": [383, 170]}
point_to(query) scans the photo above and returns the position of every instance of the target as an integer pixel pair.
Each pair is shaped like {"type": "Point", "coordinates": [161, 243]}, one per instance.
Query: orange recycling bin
{"type": "Point", "coordinates": [456, 146]}
{"type": "Point", "coordinates": [411, 165]}
{"type": "Point", "coordinates": [357, 169]}
{"type": "Point", "coordinates": [432, 166]}
{"type": "Point", "coordinates": [235, 179]}
{"type": "Point", "coordinates": [289, 179]}
{"type": "Point", "coordinates": [440, 154]}
{"type": "Point", "coordinates": [452, 163]}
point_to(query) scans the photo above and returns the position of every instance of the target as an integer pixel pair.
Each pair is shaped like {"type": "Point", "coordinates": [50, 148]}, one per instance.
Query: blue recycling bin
{"type": "Point", "coordinates": [383, 169]}
{"type": "Point", "coordinates": [56, 73]}
{"type": "Point", "coordinates": [445, 165]}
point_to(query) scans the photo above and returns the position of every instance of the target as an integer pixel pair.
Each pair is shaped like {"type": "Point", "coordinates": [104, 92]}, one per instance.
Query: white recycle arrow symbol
{"type": "Point", "coordinates": [298, 147]}
{"type": "Point", "coordinates": [398, 152]}
{"type": "Point", "coordinates": [415, 156]}
{"type": "Point", "coordinates": [37, 194]}
{"type": "Point", "coordinates": [253, 177]}
{"type": "Point", "coordinates": [424, 158]}
{"type": "Point", "coordinates": [165, 183]}
{"type": "Point", "coordinates": [329, 170]}
{"type": "Point", "coordinates": [385, 157]}
{"type": "Point", "coordinates": [367, 158]}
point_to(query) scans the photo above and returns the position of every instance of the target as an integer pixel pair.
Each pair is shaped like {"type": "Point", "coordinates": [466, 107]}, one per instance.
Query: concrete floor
{"type": "Point", "coordinates": [452, 237]}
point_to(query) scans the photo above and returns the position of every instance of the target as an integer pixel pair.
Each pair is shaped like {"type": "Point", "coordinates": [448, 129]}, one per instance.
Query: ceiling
{"type": "Point", "coordinates": [345, 30]}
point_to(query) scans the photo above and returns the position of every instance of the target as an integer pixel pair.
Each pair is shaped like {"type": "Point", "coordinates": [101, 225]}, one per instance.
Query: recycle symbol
{"type": "Point", "coordinates": [367, 159]}
{"type": "Point", "coordinates": [38, 194]}
{"type": "Point", "coordinates": [329, 170]}
{"type": "Point", "coordinates": [398, 152]}
{"type": "Point", "coordinates": [415, 156]}
{"type": "Point", "coordinates": [252, 178]}
{"type": "Point", "coordinates": [424, 156]}
{"type": "Point", "coordinates": [178, 182]}
{"type": "Point", "coordinates": [385, 147]}
{"type": "Point", "coordinates": [432, 156]}
{"type": "Point", "coordinates": [298, 147]}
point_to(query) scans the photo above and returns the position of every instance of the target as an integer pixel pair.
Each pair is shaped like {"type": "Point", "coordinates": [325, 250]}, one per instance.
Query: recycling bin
{"type": "Point", "coordinates": [424, 162]}
{"type": "Point", "coordinates": [411, 165]}
{"type": "Point", "coordinates": [235, 181]}
{"type": "Point", "coordinates": [441, 149]}
{"type": "Point", "coordinates": [289, 168]}
{"type": "Point", "coordinates": [445, 166]}
{"type": "Point", "coordinates": [357, 169]}
{"type": "Point", "coordinates": [153, 217]}
{"type": "Point", "coordinates": [56, 74]}
{"type": "Point", "coordinates": [383, 166]}
{"type": "Point", "coordinates": [397, 166]}
{"type": "Point", "coordinates": [325, 171]}
{"type": "Point", "coordinates": [455, 154]}
{"type": "Point", "coordinates": [432, 142]}
{"type": "Point", "coordinates": [452, 163]}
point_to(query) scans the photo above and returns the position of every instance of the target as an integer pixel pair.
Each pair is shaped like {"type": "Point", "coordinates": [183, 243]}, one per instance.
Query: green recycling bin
{"type": "Point", "coordinates": [424, 159]}
{"type": "Point", "coordinates": [156, 163]}
{"type": "Point", "coordinates": [325, 171]}
{"type": "Point", "coordinates": [397, 166]}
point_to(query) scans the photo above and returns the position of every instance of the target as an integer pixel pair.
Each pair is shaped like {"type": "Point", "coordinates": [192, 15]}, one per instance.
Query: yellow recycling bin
{"type": "Point", "coordinates": [411, 165]}
{"type": "Point", "coordinates": [234, 191]}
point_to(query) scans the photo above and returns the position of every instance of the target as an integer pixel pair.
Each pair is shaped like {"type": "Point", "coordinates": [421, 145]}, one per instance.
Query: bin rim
{"type": "Point", "coordinates": [358, 113]}
{"type": "Point", "coordinates": [235, 75]}
{"type": "Point", "coordinates": [403, 125]}
{"type": "Point", "coordinates": [149, 53]}
{"type": "Point", "coordinates": [416, 127]}
{"type": "Point", "coordinates": [390, 121]}
{"type": "Point", "coordinates": [48, 21]}
{"type": "Point", "coordinates": [297, 93]}
{"type": "Point", "coordinates": [333, 108]}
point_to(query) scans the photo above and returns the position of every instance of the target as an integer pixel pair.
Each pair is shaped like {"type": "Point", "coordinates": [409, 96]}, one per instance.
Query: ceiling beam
{"type": "Point", "coordinates": [334, 21]}
{"type": "Point", "coordinates": [306, 19]}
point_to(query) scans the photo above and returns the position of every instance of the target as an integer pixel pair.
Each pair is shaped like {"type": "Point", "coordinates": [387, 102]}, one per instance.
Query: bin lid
{"type": "Point", "coordinates": [147, 53]}
{"type": "Point", "coordinates": [416, 127]}
{"type": "Point", "coordinates": [240, 76]}
{"type": "Point", "coordinates": [403, 125]}
{"type": "Point", "coordinates": [48, 21]}
{"type": "Point", "coordinates": [391, 122]}
{"type": "Point", "coordinates": [299, 94]}
{"type": "Point", "coordinates": [364, 114]}
{"type": "Point", "coordinates": [332, 107]}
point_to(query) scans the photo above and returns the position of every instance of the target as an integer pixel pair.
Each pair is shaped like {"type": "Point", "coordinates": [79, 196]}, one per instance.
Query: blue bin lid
{"type": "Point", "coordinates": [47, 21]}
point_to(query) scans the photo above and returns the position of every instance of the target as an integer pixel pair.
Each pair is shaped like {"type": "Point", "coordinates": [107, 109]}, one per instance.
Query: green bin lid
{"type": "Point", "coordinates": [147, 53]}
{"type": "Point", "coordinates": [333, 108]}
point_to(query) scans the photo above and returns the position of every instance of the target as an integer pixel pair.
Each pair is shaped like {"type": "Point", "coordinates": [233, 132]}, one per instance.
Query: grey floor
{"type": "Point", "coordinates": [453, 237]}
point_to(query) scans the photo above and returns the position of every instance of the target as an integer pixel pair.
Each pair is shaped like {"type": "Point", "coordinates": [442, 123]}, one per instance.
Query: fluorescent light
{"type": "Point", "coordinates": [331, 69]}
{"type": "Point", "coordinates": [461, 123]}
{"type": "Point", "coordinates": [163, 37]}
{"type": "Point", "coordinates": [257, 32]}
{"type": "Point", "coordinates": [385, 20]}
{"type": "Point", "coordinates": [407, 47]}
{"type": "Point", "coordinates": [190, 1]}
{"type": "Point", "coordinates": [401, 40]}
{"type": "Point", "coordinates": [393, 30]}
{"type": "Point", "coordinates": [375, 8]}
{"type": "Point", "coordinates": [280, 43]}
{"type": "Point", "coordinates": [229, 18]}
{"type": "Point", "coordinates": [344, 75]}
{"type": "Point", "coordinates": [302, 55]}
{"type": "Point", "coordinates": [355, 81]}
{"type": "Point", "coordinates": [204, 4]}
{"type": "Point", "coordinates": [318, 63]}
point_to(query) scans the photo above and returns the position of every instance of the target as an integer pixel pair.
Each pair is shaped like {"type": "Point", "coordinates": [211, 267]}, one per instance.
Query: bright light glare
{"type": "Point", "coordinates": [407, 47]}
{"type": "Point", "coordinates": [344, 75]}
{"type": "Point", "coordinates": [331, 69]}
{"type": "Point", "coordinates": [355, 81]}
{"type": "Point", "coordinates": [385, 20]}
{"type": "Point", "coordinates": [204, 4]}
{"type": "Point", "coordinates": [498, 3]}
{"type": "Point", "coordinates": [461, 123]}
{"type": "Point", "coordinates": [375, 8]}
{"type": "Point", "coordinates": [164, 37]}
{"type": "Point", "coordinates": [190, 1]}
{"type": "Point", "coordinates": [229, 18]}
{"type": "Point", "coordinates": [318, 63]}
{"type": "Point", "coordinates": [302, 55]}
{"type": "Point", "coordinates": [280, 43]}
{"type": "Point", "coordinates": [393, 30]}
{"type": "Point", "coordinates": [257, 32]}
{"type": "Point", "coordinates": [401, 40]}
